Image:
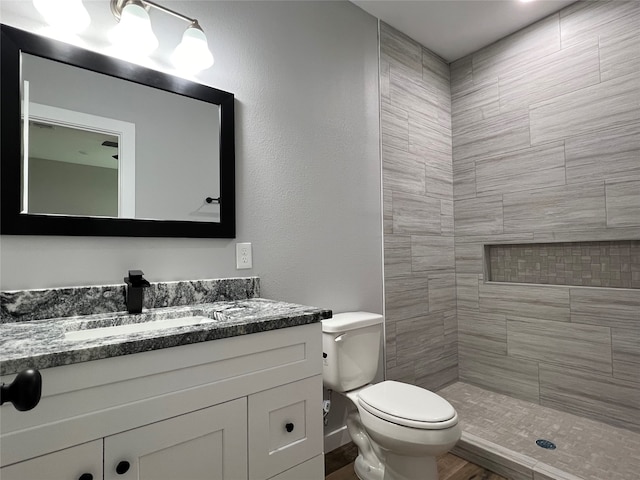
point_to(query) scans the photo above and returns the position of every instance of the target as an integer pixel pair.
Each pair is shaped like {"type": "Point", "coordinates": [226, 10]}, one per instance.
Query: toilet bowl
{"type": "Point", "coordinates": [399, 428]}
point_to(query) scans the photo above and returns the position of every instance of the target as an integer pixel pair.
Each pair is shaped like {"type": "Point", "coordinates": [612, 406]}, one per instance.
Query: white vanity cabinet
{"type": "Point", "coordinates": [246, 407]}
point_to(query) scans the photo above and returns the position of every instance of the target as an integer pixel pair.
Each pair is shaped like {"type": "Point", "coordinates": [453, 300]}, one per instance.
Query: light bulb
{"type": "Point", "coordinates": [133, 33]}
{"type": "Point", "coordinates": [192, 55]}
{"type": "Point", "coordinates": [68, 15]}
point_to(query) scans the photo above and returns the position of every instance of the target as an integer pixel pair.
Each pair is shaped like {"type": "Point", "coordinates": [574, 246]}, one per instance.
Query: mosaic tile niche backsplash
{"type": "Point", "coordinates": [591, 264]}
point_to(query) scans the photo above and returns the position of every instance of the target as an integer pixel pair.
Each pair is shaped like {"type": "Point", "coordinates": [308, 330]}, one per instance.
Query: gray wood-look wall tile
{"type": "Point", "coordinates": [610, 307]}
{"type": "Point", "coordinates": [586, 20]}
{"type": "Point", "coordinates": [464, 179]}
{"type": "Point", "coordinates": [561, 72]}
{"type": "Point", "coordinates": [390, 343]}
{"type": "Point", "coordinates": [446, 207]}
{"type": "Point", "coordinates": [467, 292]}
{"type": "Point", "coordinates": [442, 292]}
{"type": "Point", "coordinates": [479, 216]}
{"type": "Point", "coordinates": [582, 346]}
{"type": "Point", "coordinates": [387, 210]}
{"type": "Point", "coordinates": [626, 353]}
{"type": "Point", "coordinates": [469, 257]}
{"type": "Point", "coordinates": [395, 47]}
{"type": "Point", "coordinates": [415, 214]}
{"type": "Point", "coordinates": [605, 154]}
{"type": "Point", "coordinates": [435, 71]}
{"type": "Point", "coordinates": [394, 124]}
{"type": "Point", "coordinates": [521, 170]}
{"type": "Point", "coordinates": [597, 107]}
{"type": "Point", "coordinates": [420, 337]}
{"type": "Point", "coordinates": [397, 255]}
{"type": "Point", "coordinates": [429, 140]}
{"type": "Point", "coordinates": [623, 202]}
{"type": "Point", "coordinates": [620, 53]}
{"type": "Point", "coordinates": [432, 253]}
{"type": "Point", "coordinates": [402, 171]}
{"type": "Point", "coordinates": [599, 397]}
{"type": "Point", "coordinates": [461, 72]}
{"type": "Point", "coordinates": [483, 331]}
{"type": "Point", "coordinates": [570, 207]}
{"type": "Point", "coordinates": [594, 235]}
{"type": "Point", "coordinates": [412, 95]}
{"type": "Point", "coordinates": [406, 297]}
{"type": "Point", "coordinates": [492, 136]}
{"type": "Point", "coordinates": [434, 375]}
{"type": "Point", "coordinates": [439, 183]}
{"type": "Point", "coordinates": [517, 50]}
{"type": "Point", "coordinates": [530, 301]}
{"type": "Point", "coordinates": [384, 79]}
{"type": "Point", "coordinates": [515, 377]}
{"type": "Point", "coordinates": [476, 103]}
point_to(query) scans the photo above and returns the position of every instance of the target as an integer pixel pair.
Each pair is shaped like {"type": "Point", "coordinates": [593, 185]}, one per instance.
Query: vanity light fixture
{"type": "Point", "coordinates": [190, 56]}
{"type": "Point", "coordinates": [68, 15]}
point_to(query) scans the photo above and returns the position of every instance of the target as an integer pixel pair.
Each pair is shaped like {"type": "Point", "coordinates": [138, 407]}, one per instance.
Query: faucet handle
{"type": "Point", "coordinates": [135, 279]}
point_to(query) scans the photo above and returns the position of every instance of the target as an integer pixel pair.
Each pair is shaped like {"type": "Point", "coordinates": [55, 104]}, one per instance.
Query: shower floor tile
{"type": "Point", "coordinates": [586, 449]}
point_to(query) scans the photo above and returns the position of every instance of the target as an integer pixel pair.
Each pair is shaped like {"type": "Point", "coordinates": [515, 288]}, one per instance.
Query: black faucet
{"type": "Point", "coordinates": [134, 291]}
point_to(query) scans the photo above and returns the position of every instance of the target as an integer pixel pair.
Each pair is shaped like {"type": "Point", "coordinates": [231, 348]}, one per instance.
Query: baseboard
{"type": "Point", "coordinates": [336, 438]}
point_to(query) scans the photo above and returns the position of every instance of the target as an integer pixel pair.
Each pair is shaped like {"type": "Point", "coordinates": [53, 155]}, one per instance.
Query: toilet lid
{"type": "Point", "coordinates": [408, 405]}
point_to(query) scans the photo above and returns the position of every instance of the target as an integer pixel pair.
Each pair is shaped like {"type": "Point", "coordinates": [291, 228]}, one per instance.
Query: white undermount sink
{"type": "Point", "coordinates": [153, 325]}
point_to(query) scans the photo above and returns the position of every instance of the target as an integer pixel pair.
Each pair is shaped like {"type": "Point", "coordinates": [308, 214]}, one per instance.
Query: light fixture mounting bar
{"type": "Point", "coordinates": [118, 5]}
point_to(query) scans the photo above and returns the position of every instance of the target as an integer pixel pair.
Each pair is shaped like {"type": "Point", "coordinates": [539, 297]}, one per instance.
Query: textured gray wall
{"type": "Point", "coordinates": [420, 302]}
{"type": "Point", "coordinates": [305, 76]}
{"type": "Point", "coordinates": [546, 148]}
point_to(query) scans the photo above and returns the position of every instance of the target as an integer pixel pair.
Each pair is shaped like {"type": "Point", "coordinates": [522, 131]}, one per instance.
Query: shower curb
{"type": "Point", "coordinates": [506, 462]}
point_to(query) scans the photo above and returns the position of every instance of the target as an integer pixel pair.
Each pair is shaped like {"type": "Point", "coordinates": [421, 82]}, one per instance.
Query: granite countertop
{"type": "Point", "coordinates": [44, 344]}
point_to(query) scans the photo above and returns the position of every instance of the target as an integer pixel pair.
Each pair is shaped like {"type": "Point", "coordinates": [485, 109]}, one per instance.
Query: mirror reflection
{"type": "Point", "coordinates": [95, 145]}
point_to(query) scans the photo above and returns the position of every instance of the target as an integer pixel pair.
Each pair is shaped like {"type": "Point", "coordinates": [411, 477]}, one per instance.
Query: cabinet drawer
{"type": "Point", "coordinates": [68, 464]}
{"type": "Point", "coordinates": [310, 470]}
{"type": "Point", "coordinates": [285, 427]}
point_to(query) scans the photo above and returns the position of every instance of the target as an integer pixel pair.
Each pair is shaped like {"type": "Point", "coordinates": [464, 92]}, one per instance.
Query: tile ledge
{"type": "Point", "coordinates": [538, 470]}
{"type": "Point", "coordinates": [586, 287]}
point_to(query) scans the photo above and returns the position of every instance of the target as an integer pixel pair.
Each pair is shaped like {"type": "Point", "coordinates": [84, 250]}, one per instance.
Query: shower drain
{"type": "Point", "coordinates": [548, 444]}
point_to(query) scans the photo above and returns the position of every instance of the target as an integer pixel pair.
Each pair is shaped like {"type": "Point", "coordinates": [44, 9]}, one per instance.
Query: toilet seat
{"type": "Point", "coordinates": [407, 405]}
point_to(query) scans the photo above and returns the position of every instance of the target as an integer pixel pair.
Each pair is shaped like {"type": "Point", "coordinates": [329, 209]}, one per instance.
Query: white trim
{"type": "Point", "coordinates": [126, 133]}
{"type": "Point", "coordinates": [25, 147]}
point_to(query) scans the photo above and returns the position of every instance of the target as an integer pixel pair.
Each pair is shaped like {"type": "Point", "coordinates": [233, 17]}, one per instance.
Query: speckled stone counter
{"type": "Point", "coordinates": [39, 328]}
{"type": "Point", "coordinates": [43, 343]}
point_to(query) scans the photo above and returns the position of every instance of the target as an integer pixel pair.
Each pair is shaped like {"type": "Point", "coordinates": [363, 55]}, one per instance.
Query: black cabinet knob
{"type": "Point", "coordinates": [86, 476]}
{"type": "Point", "coordinates": [289, 427]}
{"type": "Point", "coordinates": [122, 467]}
{"type": "Point", "coordinates": [25, 390]}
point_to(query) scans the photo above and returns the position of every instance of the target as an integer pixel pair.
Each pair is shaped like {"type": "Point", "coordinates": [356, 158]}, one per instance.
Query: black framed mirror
{"type": "Point", "coordinates": [150, 172]}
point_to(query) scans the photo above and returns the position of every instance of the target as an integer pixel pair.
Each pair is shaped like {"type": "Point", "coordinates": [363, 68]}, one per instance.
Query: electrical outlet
{"type": "Point", "coordinates": [243, 256]}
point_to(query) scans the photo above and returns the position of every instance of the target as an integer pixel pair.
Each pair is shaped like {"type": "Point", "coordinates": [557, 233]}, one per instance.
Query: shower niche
{"type": "Point", "coordinates": [611, 264]}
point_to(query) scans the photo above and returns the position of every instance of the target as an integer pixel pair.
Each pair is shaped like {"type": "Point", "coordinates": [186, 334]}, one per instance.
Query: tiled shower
{"type": "Point", "coordinates": [544, 128]}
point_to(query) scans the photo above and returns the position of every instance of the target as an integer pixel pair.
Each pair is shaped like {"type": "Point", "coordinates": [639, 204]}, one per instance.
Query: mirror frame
{"type": "Point", "coordinates": [12, 222]}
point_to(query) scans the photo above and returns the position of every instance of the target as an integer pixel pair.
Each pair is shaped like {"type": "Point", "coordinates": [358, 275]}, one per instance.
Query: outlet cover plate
{"type": "Point", "coordinates": [244, 259]}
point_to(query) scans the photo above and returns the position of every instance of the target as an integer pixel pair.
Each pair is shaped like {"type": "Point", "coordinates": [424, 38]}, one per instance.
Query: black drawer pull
{"type": "Point", "coordinates": [289, 427]}
{"type": "Point", "coordinates": [25, 390]}
{"type": "Point", "coordinates": [122, 467]}
{"type": "Point", "coordinates": [86, 476]}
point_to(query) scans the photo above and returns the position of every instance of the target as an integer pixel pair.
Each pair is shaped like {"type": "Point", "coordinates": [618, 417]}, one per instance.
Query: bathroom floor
{"type": "Point", "coordinates": [450, 467]}
{"type": "Point", "coordinates": [508, 429]}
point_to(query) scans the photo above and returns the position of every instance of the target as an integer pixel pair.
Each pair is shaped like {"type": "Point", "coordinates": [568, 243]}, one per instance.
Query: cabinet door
{"type": "Point", "coordinates": [208, 444]}
{"type": "Point", "coordinates": [285, 427]}
{"type": "Point", "coordinates": [83, 462]}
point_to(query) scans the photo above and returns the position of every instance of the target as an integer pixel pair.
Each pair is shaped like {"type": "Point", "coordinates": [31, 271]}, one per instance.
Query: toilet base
{"type": "Point", "coordinates": [400, 467]}
{"type": "Point", "coordinates": [365, 471]}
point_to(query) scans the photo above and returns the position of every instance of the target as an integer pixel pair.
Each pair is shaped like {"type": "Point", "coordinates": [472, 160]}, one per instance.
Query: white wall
{"type": "Point", "coordinates": [305, 76]}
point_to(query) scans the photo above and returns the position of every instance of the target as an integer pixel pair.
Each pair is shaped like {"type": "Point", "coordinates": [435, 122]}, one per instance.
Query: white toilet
{"type": "Point", "coordinates": [399, 429]}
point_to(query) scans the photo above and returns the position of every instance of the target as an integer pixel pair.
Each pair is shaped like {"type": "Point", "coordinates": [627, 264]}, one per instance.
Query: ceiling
{"type": "Point", "coordinates": [455, 28]}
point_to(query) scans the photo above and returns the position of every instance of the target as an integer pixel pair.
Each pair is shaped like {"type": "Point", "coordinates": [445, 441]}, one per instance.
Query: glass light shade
{"type": "Point", "coordinates": [192, 55]}
{"type": "Point", "coordinates": [68, 15]}
{"type": "Point", "coordinates": [134, 33]}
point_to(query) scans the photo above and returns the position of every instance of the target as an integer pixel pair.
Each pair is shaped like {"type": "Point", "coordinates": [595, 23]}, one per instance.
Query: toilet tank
{"type": "Point", "coordinates": [351, 347]}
